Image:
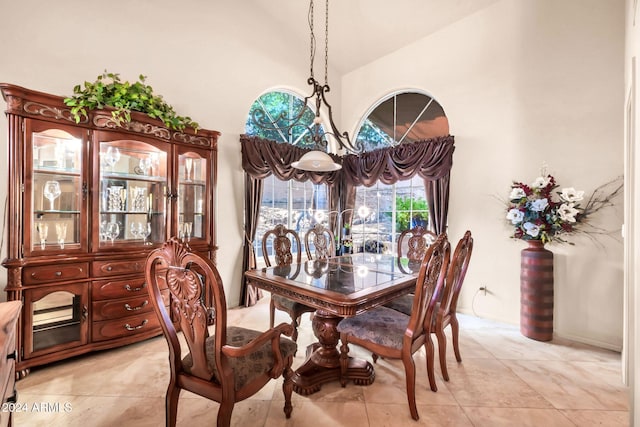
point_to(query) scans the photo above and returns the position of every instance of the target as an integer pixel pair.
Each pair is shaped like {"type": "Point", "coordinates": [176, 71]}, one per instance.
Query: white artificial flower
{"type": "Point", "coordinates": [567, 212]}
{"type": "Point", "coordinates": [517, 193]}
{"type": "Point", "coordinates": [532, 229]}
{"type": "Point", "coordinates": [539, 205]}
{"type": "Point", "coordinates": [541, 182]}
{"type": "Point", "coordinates": [515, 216]}
{"type": "Point", "coordinates": [571, 195]}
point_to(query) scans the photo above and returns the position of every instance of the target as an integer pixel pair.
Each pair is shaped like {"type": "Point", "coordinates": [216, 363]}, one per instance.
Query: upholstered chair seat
{"type": "Point", "coordinates": [246, 368]}
{"type": "Point", "coordinates": [381, 325]}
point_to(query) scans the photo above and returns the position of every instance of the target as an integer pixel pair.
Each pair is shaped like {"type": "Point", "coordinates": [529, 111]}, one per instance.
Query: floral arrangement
{"type": "Point", "coordinates": [538, 212]}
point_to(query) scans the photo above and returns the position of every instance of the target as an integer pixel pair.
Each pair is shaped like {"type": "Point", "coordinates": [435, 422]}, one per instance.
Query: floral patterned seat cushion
{"type": "Point", "coordinates": [248, 367]}
{"type": "Point", "coordinates": [381, 325]}
{"type": "Point", "coordinates": [288, 304]}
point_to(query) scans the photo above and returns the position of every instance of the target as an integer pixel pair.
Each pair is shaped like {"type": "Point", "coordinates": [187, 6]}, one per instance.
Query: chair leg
{"type": "Point", "coordinates": [430, 369]}
{"type": "Point", "coordinates": [454, 333]}
{"type": "Point", "coordinates": [272, 313]}
{"type": "Point", "coordinates": [287, 387]}
{"type": "Point", "coordinates": [410, 380]}
{"type": "Point", "coordinates": [171, 403]}
{"type": "Point", "coordinates": [344, 361]}
{"type": "Point", "coordinates": [442, 351]}
{"type": "Point", "coordinates": [294, 334]}
{"type": "Point", "coordinates": [224, 413]}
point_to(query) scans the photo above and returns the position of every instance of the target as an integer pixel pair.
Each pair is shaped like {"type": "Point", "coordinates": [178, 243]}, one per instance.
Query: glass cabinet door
{"type": "Point", "coordinates": [192, 196]}
{"type": "Point", "coordinates": [56, 317]}
{"type": "Point", "coordinates": [133, 185]}
{"type": "Point", "coordinates": [56, 189]}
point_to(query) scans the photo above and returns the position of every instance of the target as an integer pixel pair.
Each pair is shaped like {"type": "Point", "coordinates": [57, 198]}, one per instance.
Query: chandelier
{"type": "Point", "coordinates": [316, 136]}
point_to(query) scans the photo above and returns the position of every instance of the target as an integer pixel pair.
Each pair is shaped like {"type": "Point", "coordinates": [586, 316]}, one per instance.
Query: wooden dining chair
{"type": "Point", "coordinates": [223, 363]}
{"type": "Point", "coordinates": [412, 246]}
{"type": "Point", "coordinates": [394, 335]}
{"type": "Point", "coordinates": [283, 240]}
{"type": "Point", "coordinates": [323, 242]}
{"type": "Point", "coordinates": [446, 308]}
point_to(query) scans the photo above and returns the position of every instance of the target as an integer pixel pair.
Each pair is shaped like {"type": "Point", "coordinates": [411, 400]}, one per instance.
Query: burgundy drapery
{"type": "Point", "coordinates": [430, 159]}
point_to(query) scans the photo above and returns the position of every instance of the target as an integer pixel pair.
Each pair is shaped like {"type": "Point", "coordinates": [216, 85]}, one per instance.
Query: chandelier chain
{"type": "Point", "coordinates": [326, 43]}
{"type": "Point", "coordinates": [312, 39]}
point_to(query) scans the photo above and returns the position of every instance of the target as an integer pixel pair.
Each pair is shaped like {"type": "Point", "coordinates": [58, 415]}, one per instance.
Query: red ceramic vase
{"type": "Point", "coordinates": [536, 292]}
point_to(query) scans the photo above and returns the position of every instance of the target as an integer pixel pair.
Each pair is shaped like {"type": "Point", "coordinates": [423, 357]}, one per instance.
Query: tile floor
{"type": "Point", "coordinates": [503, 380]}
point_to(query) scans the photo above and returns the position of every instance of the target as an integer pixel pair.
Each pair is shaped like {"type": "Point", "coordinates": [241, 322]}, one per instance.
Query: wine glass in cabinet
{"type": "Point", "coordinates": [132, 193]}
{"type": "Point", "coordinates": [56, 189]}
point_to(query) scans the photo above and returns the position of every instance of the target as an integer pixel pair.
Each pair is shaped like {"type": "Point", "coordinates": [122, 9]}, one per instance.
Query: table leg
{"type": "Point", "coordinates": [323, 359]}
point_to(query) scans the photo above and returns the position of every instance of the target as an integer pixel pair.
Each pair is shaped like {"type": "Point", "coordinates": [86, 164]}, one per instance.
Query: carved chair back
{"type": "Point", "coordinates": [286, 246]}
{"type": "Point", "coordinates": [323, 242]}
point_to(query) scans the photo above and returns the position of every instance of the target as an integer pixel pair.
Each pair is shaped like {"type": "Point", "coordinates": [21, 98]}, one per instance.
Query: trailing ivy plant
{"type": "Point", "coordinates": [124, 97]}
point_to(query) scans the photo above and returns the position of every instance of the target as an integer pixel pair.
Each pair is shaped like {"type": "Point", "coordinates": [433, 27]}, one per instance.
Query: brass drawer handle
{"type": "Point", "coordinates": [58, 273]}
{"type": "Point", "coordinates": [133, 328]}
{"type": "Point", "coordinates": [129, 308]}
{"type": "Point", "coordinates": [130, 289]}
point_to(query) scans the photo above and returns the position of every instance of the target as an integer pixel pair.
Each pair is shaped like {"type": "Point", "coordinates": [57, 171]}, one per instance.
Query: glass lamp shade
{"type": "Point", "coordinates": [317, 161]}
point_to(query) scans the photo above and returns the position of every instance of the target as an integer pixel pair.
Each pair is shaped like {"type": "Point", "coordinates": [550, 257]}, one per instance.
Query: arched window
{"type": "Point", "coordinates": [284, 202]}
{"type": "Point", "coordinates": [401, 118]}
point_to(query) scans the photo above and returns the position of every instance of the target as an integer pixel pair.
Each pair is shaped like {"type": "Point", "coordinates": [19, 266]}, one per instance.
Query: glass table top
{"type": "Point", "coordinates": [345, 274]}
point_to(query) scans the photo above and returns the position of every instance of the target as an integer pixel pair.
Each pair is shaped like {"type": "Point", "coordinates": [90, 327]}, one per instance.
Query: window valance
{"type": "Point", "coordinates": [431, 159]}
{"type": "Point", "coordinates": [263, 157]}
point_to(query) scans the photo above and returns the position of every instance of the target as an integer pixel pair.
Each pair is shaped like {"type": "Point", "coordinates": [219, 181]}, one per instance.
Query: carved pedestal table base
{"type": "Point", "coordinates": [323, 359]}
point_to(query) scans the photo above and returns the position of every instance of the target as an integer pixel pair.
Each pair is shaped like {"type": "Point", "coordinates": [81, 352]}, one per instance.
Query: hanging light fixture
{"type": "Point", "coordinates": [317, 159]}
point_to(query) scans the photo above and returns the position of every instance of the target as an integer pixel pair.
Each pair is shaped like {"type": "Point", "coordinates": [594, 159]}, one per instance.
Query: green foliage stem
{"type": "Point", "coordinates": [109, 90]}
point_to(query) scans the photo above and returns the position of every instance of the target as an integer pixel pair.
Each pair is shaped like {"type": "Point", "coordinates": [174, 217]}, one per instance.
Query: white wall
{"type": "Point", "coordinates": [524, 82]}
{"type": "Point", "coordinates": [210, 60]}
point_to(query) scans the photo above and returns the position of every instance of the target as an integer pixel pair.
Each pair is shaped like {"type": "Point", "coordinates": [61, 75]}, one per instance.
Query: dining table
{"type": "Point", "coordinates": [336, 287]}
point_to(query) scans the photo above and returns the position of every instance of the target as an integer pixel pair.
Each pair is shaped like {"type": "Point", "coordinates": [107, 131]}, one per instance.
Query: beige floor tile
{"type": "Point", "coordinates": [572, 385]}
{"type": "Point", "coordinates": [488, 382]}
{"type": "Point", "coordinates": [521, 417]}
{"type": "Point", "coordinates": [598, 418]}
{"type": "Point", "coordinates": [394, 415]}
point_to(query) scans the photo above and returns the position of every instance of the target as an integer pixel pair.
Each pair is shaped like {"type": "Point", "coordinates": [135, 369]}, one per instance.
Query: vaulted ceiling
{"type": "Point", "coordinates": [361, 31]}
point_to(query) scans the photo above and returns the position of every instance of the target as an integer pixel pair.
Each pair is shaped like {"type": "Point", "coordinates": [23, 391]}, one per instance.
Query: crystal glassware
{"type": "Point", "coordinates": [188, 165]}
{"type": "Point", "coordinates": [111, 157]}
{"type": "Point", "coordinates": [51, 191]}
{"type": "Point", "coordinates": [61, 232]}
{"type": "Point", "coordinates": [43, 231]}
{"type": "Point", "coordinates": [145, 165]}
{"type": "Point", "coordinates": [135, 227]}
{"type": "Point", "coordinates": [145, 231]}
{"type": "Point", "coordinates": [112, 231]}
{"type": "Point", "coordinates": [187, 230]}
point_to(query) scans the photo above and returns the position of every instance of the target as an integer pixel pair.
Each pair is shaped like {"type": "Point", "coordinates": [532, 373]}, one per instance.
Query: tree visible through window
{"type": "Point", "coordinates": [290, 202]}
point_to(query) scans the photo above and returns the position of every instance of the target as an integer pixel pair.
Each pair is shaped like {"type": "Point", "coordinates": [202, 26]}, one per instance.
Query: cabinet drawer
{"type": "Point", "coordinates": [114, 309]}
{"type": "Point", "coordinates": [110, 289]}
{"type": "Point", "coordinates": [126, 326]}
{"type": "Point", "coordinates": [116, 267]}
{"type": "Point", "coordinates": [55, 273]}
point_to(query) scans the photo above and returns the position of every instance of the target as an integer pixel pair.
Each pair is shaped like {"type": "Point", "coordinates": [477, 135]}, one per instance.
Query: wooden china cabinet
{"type": "Point", "coordinates": [87, 202]}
